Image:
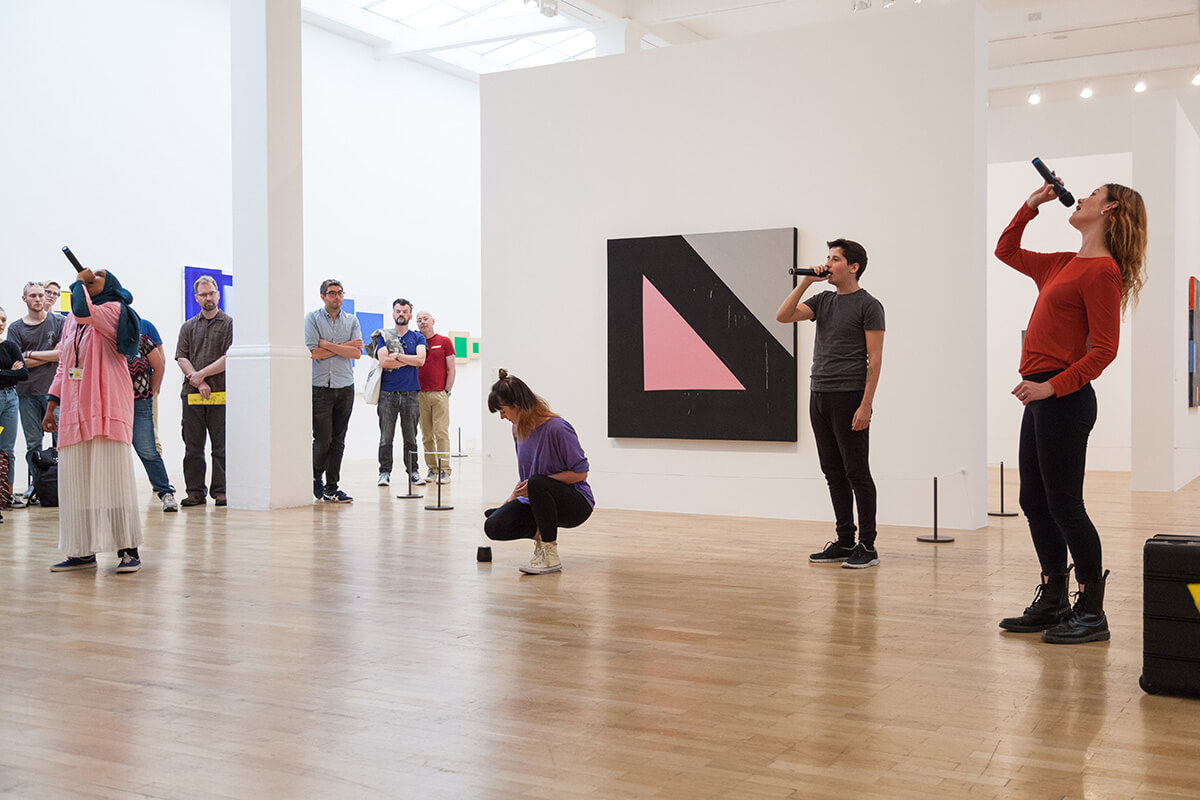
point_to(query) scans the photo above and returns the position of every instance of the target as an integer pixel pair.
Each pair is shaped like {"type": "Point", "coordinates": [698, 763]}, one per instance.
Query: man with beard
{"type": "Point", "coordinates": [401, 352]}
{"type": "Point", "coordinates": [200, 353]}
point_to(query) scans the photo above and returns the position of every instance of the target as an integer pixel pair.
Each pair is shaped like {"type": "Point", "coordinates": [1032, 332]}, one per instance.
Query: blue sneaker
{"type": "Point", "coordinates": [338, 497]}
{"type": "Point", "coordinates": [128, 564]}
{"type": "Point", "coordinates": [74, 563]}
{"type": "Point", "coordinates": [318, 488]}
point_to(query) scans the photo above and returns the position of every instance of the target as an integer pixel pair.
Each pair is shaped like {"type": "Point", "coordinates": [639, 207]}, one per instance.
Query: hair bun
{"type": "Point", "coordinates": [503, 374]}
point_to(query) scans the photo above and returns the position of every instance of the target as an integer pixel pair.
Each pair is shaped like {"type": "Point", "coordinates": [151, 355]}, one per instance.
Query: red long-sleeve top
{"type": "Point", "coordinates": [1076, 322]}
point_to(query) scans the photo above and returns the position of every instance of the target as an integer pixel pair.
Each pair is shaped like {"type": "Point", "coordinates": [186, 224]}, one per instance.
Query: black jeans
{"type": "Point", "coordinates": [331, 416]}
{"type": "Point", "coordinates": [199, 422]}
{"type": "Point", "coordinates": [1054, 434]}
{"type": "Point", "coordinates": [404, 405]}
{"type": "Point", "coordinates": [552, 505]}
{"type": "Point", "coordinates": [843, 454]}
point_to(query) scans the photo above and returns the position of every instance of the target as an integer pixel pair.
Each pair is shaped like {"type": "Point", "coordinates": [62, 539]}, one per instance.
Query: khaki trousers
{"type": "Point", "coordinates": [435, 428]}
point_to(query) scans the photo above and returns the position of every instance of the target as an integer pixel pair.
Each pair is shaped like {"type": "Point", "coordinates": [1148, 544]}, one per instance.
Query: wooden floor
{"type": "Point", "coordinates": [360, 651]}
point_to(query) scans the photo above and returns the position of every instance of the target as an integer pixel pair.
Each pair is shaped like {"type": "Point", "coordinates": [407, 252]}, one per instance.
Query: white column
{"type": "Point", "coordinates": [617, 38]}
{"type": "Point", "coordinates": [269, 436]}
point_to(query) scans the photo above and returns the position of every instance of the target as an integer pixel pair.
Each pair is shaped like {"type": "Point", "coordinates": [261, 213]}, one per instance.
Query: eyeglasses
{"type": "Point", "coordinates": [334, 293]}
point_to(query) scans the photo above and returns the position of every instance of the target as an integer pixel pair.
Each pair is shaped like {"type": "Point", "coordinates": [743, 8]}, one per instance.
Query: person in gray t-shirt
{"type": "Point", "coordinates": [847, 354]}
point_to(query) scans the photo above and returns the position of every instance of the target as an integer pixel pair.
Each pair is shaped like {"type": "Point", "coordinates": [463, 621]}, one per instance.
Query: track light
{"type": "Point", "coordinates": [1196, 79]}
{"type": "Point", "coordinates": [1034, 98]}
{"type": "Point", "coordinates": [1140, 86]}
{"type": "Point", "coordinates": [889, 3]}
{"type": "Point", "coordinates": [860, 5]}
{"type": "Point", "coordinates": [1085, 92]}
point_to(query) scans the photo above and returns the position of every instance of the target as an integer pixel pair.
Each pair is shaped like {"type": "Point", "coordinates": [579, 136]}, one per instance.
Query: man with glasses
{"type": "Point", "coordinates": [200, 353]}
{"type": "Point", "coordinates": [334, 341]}
{"type": "Point", "coordinates": [53, 292]}
{"type": "Point", "coordinates": [36, 335]}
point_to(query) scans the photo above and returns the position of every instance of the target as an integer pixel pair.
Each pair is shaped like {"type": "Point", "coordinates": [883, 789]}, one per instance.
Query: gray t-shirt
{"type": "Point", "coordinates": [840, 348]}
{"type": "Point", "coordinates": [43, 336]}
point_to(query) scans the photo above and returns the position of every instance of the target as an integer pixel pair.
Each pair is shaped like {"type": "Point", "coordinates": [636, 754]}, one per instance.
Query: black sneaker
{"type": "Point", "coordinates": [74, 563]}
{"type": "Point", "coordinates": [861, 558]}
{"type": "Point", "coordinates": [318, 488]}
{"type": "Point", "coordinates": [833, 553]}
{"type": "Point", "coordinates": [338, 497]}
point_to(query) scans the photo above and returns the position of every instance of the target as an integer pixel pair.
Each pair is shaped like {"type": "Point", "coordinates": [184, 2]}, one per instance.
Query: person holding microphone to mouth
{"type": "Point", "coordinates": [1071, 337]}
{"type": "Point", "coordinates": [847, 355]}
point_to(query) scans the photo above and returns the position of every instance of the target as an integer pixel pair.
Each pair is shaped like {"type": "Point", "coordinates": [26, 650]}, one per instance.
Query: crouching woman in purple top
{"type": "Point", "coordinates": [553, 492]}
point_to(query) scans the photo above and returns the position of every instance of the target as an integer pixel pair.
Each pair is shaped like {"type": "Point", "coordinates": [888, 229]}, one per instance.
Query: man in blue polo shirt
{"type": "Point", "coordinates": [400, 353]}
{"type": "Point", "coordinates": [334, 341]}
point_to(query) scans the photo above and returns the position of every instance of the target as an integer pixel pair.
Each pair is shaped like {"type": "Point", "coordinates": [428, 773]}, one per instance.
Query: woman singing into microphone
{"type": "Point", "coordinates": [1071, 337]}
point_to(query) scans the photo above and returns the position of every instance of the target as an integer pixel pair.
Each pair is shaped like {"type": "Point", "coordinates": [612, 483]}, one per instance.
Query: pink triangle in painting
{"type": "Point", "coordinates": [674, 355]}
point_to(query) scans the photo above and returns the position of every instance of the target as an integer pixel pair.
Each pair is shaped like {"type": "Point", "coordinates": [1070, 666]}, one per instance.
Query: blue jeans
{"type": "Point", "coordinates": [406, 406]}
{"type": "Point", "coordinates": [33, 410]}
{"type": "Point", "coordinates": [146, 448]}
{"type": "Point", "coordinates": [8, 437]}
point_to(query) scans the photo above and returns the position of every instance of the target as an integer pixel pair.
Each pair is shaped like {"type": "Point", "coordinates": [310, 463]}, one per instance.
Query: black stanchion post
{"type": "Point", "coordinates": [439, 506]}
{"type": "Point", "coordinates": [935, 539]}
{"type": "Point", "coordinates": [460, 453]}
{"type": "Point", "coordinates": [408, 471]}
{"type": "Point", "coordinates": [1002, 512]}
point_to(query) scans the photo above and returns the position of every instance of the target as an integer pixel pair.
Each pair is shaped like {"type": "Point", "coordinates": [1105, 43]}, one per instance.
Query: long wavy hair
{"type": "Point", "coordinates": [532, 410]}
{"type": "Point", "coordinates": [1125, 237]}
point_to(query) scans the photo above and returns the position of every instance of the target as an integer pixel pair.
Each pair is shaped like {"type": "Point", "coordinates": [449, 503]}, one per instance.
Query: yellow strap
{"type": "Point", "coordinates": [1194, 588]}
{"type": "Point", "coordinates": [214, 399]}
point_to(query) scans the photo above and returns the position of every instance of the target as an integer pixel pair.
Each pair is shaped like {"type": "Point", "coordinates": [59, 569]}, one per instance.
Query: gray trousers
{"type": "Point", "coordinates": [405, 406]}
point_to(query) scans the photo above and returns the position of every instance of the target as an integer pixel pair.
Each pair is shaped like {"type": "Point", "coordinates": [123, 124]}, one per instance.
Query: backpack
{"type": "Point", "coordinates": [45, 476]}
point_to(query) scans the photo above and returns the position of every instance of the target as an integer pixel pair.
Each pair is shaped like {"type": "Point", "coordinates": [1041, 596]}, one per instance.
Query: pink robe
{"type": "Point", "coordinates": [101, 404]}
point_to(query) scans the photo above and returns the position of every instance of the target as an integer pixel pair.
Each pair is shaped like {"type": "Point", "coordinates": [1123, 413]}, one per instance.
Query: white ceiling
{"type": "Point", "coordinates": [1046, 44]}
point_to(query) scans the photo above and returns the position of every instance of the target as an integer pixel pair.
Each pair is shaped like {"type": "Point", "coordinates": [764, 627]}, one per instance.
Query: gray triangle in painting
{"type": "Point", "coordinates": [754, 265]}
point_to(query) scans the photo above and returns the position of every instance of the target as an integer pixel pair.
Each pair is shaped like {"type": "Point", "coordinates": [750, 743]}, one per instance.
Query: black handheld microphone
{"type": "Point", "coordinates": [1064, 197]}
{"type": "Point", "coordinates": [806, 271]}
{"type": "Point", "coordinates": [74, 261]}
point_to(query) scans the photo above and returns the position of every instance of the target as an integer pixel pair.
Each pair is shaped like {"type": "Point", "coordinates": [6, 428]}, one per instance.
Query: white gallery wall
{"type": "Point", "coordinates": [1011, 297]}
{"type": "Point", "coordinates": [1155, 129]}
{"type": "Point", "coordinates": [115, 139]}
{"type": "Point", "coordinates": [838, 130]}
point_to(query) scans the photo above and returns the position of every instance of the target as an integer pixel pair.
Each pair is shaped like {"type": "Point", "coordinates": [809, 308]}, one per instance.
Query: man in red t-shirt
{"type": "Point", "coordinates": [437, 379]}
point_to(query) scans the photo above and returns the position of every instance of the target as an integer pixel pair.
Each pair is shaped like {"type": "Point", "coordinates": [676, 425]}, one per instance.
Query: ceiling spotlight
{"type": "Point", "coordinates": [889, 3]}
{"type": "Point", "coordinates": [1034, 98]}
{"type": "Point", "coordinates": [1196, 79]}
{"type": "Point", "coordinates": [1140, 86]}
{"type": "Point", "coordinates": [860, 5]}
{"type": "Point", "coordinates": [1085, 92]}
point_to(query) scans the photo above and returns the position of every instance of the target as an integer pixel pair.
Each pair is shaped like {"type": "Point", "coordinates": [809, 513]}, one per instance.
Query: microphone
{"type": "Point", "coordinates": [1064, 197]}
{"type": "Point", "coordinates": [806, 271]}
{"type": "Point", "coordinates": [74, 261]}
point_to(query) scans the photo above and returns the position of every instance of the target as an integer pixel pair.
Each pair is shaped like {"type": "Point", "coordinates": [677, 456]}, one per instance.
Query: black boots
{"type": "Point", "coordinates": [1049, 608]}
{"type": "Point", "coordinates": [1086, 622]}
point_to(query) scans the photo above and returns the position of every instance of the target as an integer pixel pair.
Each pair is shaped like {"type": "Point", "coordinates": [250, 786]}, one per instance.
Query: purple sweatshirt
{"type": "Point", "coordinates": [553, 447]}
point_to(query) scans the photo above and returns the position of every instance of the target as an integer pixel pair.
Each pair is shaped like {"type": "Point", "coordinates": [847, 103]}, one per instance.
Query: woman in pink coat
{"type": "Point", "coordinates": [98, 508]}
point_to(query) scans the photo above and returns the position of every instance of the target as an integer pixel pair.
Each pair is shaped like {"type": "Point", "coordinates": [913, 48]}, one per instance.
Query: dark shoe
{"type": "Point", "coordinates": [220, 500]}
{"type": "Point", "coordinates": [129, 564]}
{"type": "Point", "coordinates": [338, 497]}
{"type": "Point", "coordinates": [318, 488]}
{"type": "Point", "coordinates": [861, 558]}
{"type": "Point", "coordinates": [75, 562]}
{"type": "Point", "coordinates": [192, 500]}
{"type": "Point", "coordinates": [833, 553]}
{"type": "Point", "coordinates": [1049, 607]}
{"type": "Point", "coordinates": [1086, 622]}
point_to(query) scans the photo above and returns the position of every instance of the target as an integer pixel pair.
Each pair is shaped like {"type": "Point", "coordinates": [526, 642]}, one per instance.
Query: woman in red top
{"type": "Point", "coordinates": [1071, 337]}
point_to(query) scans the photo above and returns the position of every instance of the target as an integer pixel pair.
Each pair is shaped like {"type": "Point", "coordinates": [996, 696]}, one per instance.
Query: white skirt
{"type": "Point", "coordinates": [98, 509]}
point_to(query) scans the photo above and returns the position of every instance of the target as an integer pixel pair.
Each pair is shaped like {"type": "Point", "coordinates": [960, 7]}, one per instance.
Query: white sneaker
{"type": "Point", "coordinates": [444, 477]}
{"type": "Point", "coordinates": [417, 479]}
{"type": "Point", "coordinates": [169, 503]}
{"type": "Point", "coordinates": [545, 559]}
{"type": "Point", "coordinates": [385, 479]}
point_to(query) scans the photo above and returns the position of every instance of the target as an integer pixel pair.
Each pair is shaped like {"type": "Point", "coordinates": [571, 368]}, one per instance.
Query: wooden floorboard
{"type": "Point", "coordinates": [360, 651]}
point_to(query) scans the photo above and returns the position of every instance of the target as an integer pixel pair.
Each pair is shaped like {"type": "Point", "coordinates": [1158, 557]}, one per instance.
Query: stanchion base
{"type": "Point", "coordinates": [409, 496]}
{"type": "Point", "coordinates": [438, 508]}
{"type": "Point", "coordinates": [1002, 513]}
{"type": "Point", "coordinates": [935, 539]}
{"type": "Point", "coordinates": [458, 455]}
